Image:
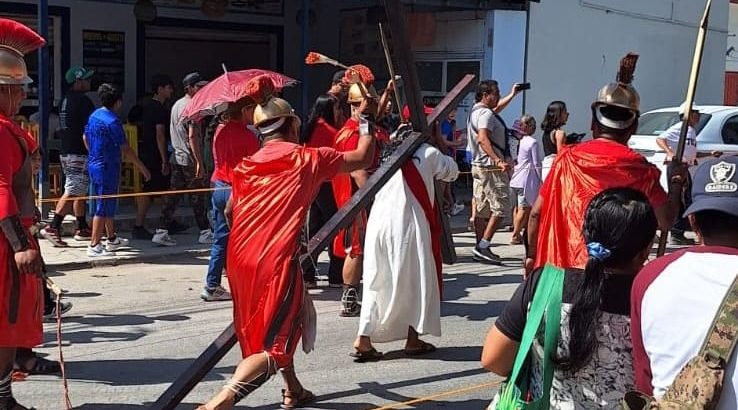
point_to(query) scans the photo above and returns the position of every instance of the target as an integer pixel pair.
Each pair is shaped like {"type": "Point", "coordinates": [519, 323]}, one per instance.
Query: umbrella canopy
{"type": "Point", "coordinates": [229, 87]}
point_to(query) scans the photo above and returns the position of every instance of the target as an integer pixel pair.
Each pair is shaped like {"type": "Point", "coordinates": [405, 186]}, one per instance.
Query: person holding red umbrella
{"type": "Point", "coordinates": [272, 192]}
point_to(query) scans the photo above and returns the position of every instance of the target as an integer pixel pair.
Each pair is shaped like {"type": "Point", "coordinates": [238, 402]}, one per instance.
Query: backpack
{"type": "Point", "coordinates": [506, 153]}
{"type": "Point", "coordinates": [700, 382]}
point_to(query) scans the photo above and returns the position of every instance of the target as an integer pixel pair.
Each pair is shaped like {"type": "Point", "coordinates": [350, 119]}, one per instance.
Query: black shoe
{"type": "Point", "coordinates": [680, 239]}
{"type": "Point", "coordinates": [486, 256]}
{"type": "Point", "coordinates": [176, 227]}
{"type": "Point", "coordinates": [139, 232]}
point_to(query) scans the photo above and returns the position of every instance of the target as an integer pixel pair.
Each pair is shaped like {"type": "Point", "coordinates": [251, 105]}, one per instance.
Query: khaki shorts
{"type": "Point", "coordinates": [491, 191]}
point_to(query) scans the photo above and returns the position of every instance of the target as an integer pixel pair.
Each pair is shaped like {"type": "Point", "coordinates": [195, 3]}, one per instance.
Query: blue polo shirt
{"type": "Point", "coordinates": [105, 137]}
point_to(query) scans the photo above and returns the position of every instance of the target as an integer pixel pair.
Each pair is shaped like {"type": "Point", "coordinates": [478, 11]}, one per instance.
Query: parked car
{"type": "Point", "coordinates": [717, 130]}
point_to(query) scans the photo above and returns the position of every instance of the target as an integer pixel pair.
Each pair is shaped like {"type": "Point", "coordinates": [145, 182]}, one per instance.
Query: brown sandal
{"type": "Point", "coordinates": [305, 397]}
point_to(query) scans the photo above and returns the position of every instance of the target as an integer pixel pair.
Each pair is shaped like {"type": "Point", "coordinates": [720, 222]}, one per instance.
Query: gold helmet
{"type": "Point", "coordinates": [273, 109]}
{"type": "Point", "coordinates": [357, 92]}
{"type": "Point", "coordinates": [16, 41]}
{"type": "Point", "coordinates": [619, 94]}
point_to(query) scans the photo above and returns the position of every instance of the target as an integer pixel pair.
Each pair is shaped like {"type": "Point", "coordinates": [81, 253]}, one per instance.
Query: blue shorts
{"type": "Point", "coordinates": [105, 185]}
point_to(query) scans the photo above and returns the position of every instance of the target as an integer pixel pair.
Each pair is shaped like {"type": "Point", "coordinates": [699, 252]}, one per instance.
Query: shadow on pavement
{"type": "Point", "coordinates": [135, 372]}
{"type": "Point", "coordinates": [473, 311]}
{"type": "Point", "coordinates": [465, 404]}
{"type": "Point", "coordinates": [457, 286]}
{"type": "Point", "coordinates": [446, 354]}
{"type": "Point", "coordinates": [123, 320]}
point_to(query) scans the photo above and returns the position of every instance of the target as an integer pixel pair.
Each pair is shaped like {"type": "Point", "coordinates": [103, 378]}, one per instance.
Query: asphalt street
{"type": "Point", "coordinates": [134, 328]}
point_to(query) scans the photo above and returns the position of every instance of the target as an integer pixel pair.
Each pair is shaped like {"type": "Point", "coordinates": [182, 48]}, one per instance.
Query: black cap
{"type": "Point", "coordinates": [193, 79]}
{"type": "Point", "coordinates": [338, 76]}
{"type": "Point", "coordinates": [715, 186]}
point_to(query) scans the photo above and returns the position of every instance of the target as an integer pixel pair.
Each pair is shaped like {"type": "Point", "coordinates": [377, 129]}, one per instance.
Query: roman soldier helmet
{"type": "Point", "coordinates": [271, 112]}
{"type": "Point", "coordinates": [16, 40]}
{"type": "Point", "coordinates": [621, 94]}
{"type": "Point", "coordinates": [360, 80]}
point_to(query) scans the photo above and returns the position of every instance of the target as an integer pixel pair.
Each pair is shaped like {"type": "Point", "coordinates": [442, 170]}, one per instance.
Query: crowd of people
{"type": "Point", "coordinates": [586, 211]}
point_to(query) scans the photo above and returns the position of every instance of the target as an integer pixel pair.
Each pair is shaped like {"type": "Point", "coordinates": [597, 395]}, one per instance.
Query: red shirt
{"type": "Point", "coordinates": [578, 174]}
{"type": "Point", "coordinates": [231, 143]}
{"type": "Point", "coordinates": [323, 135]}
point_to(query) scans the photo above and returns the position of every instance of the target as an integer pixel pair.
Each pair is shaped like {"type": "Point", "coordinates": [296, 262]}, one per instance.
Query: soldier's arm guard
{"type": "Point", "coordinates": [15, 233]}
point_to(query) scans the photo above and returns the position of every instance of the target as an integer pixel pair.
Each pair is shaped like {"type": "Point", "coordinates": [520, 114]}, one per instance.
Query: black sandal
{"type": "Point", "coordinates": [40, 366]}
{"type": "Point", "coordinates": [371, 355]}
{"type": "Point", "coordinates": [305, 397]}
{"type": "Point", "coordinates": [424, 348]}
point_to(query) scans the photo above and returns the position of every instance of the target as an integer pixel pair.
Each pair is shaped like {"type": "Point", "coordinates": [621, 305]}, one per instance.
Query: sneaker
{"type": "Point", "coordinates": [456, 209]}
{"type": "Point", "coordinates": [350, 306]}
{"type": "Point", "coordinates": [98, 250]}
{"type": "Point", "coordinates": [139, 232]}
{"type": "Point", "coordinates": [83, 234]}
{"type": "Point", "coordinates": [680, 239]}
{"type": "Point", "coordinates": [206, 237]}
{"type": "Point", "coordinates": [64, 307]}
{"type": "Point", "coordinates": [216, 295]}
{"type": "Point", "coordinates": [486, 255]}
{"type": "Point", "coordinates": [54, 236]}
{"type": "Point", "coordinates": [176, 227]}
{"type": "Point", "coordinates": [161, 237]}
{"type": "Point", "coordinates": [117, 243]}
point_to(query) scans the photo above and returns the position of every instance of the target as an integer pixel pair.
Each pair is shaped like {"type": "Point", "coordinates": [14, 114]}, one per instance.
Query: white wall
{"type": "Point", "coordinates": [575, 47]}
{"type": "Point", "coordinates": [508, 57]}
{"type": "Point", "coordinates": [731, 63]}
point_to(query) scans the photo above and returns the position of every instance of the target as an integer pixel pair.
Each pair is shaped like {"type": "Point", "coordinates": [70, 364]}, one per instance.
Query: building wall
{"type": "Point", "coordinates": [575, 47]}
{"type": "Point", "coordinates": [731, 63]}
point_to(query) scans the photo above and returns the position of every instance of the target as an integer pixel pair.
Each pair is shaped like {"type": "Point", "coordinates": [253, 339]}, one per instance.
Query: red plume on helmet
{"type": "Point", "coordinates": [19, 38]}
{"type": "Point", "coordinates": [361, 71]}
{"type": "Point", "coordinates": [260, 89]}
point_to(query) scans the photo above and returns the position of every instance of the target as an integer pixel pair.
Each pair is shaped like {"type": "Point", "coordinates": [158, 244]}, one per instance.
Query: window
{"type": "Point", "coordinates": [430, 75]}
{"type": "Point", "coordinates": [456, 70]}
{"type": "Point", "coordinates": [655, 123]}
{"type": "Point", "coordinates": [730, 131]}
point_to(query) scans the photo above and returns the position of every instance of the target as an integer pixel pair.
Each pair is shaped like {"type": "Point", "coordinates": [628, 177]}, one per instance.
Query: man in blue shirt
{"type": "Point", "coordinates": [106, 141]}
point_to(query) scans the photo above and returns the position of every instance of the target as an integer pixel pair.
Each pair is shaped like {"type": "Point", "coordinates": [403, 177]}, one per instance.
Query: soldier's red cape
{"type": "Point", "coordinates": [272, 193]}
{"type": "Point", "coordinates": [27, 329]}
{"type": "Point", "coordinates": [578, 174]}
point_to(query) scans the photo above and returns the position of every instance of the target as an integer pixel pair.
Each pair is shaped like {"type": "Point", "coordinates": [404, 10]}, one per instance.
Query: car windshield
{"type": "Point", "coordinates": [655, 123]}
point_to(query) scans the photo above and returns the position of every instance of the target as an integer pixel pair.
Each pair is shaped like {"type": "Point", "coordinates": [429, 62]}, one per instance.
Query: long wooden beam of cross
{"type": "Point", "coordinates": [210, 357]}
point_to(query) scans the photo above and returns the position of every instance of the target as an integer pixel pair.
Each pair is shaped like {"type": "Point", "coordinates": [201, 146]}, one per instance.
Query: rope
{"type": "Point", "coordinates": [58, 292]}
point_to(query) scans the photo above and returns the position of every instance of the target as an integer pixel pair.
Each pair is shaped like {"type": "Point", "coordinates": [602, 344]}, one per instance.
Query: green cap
{"type": "Point", "coordinates": [78, 73]}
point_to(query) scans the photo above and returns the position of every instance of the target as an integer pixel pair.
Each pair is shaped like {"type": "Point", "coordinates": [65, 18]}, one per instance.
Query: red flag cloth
{"type": "Point", "coordinates": [26, 331]}
{"type": "Point", "coordinates": [578, 174]}
{"type": "Point", "coordinates": [417, 187]}
{"type": "Point", "coordinates": [272, 193]}
{"type": "Point", "coordinates": [229, 87]}
{"type": "Point", "coordinates": [231, 143]}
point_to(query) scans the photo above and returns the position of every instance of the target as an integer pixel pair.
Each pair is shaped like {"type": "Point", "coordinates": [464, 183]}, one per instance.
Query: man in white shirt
{"type": "Point", "coordinates": [491, 163]}
{"type": "Point", "coordinates": [674, 299]}
{"type": "Point", "coordinates": [668, 141]}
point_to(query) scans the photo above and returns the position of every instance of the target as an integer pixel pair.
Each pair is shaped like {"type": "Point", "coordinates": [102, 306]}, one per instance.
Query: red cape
{"type": "Point", "coordinates": [578, 174]}
{"type": "Point", "coordinates": [272, 193]}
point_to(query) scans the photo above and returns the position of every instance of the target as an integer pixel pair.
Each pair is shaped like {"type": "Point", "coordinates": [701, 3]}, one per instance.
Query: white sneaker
{"type": "Point", "coordinates": [457, 208]}
{"type": "Point", "coordinates": [112, 246]}
{"type": "Point", "coordinates": [161, 237]}
{"type": "Point", "coordinates": [206, 237]}
{"type": "Point", "coordinates": [98, 250]}
{"type": "Point", "coordinates": [216, 295]}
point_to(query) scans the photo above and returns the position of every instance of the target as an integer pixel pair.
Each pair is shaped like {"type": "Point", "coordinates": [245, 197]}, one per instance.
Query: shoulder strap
{"type": "Point", "coordinates": [544, 292]}
{"type": "Point", "coordinates": [721, 338]}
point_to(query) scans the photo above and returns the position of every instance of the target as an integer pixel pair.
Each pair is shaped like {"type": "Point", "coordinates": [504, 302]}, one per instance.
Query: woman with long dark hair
{"type": "Point", "coordinates": [325, 119]}
{"type": "Point", "coordinates": [593, 362]}
{"type": "Point", "coordinates": [553, 138]}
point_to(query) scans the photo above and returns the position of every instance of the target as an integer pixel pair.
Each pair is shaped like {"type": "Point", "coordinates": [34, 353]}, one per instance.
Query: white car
{"type": "Point", "coordinates": [717, 130]}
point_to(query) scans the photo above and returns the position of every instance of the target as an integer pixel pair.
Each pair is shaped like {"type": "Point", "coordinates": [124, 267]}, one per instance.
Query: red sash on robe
{"type": "Point", "coordinates": [578, 174]}
{"type": "Point", "coordinates": [417, 187]}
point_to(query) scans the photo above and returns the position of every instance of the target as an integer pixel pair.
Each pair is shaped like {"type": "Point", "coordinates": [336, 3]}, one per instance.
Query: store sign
{"type": "Point", "coordinates": [104, 52]}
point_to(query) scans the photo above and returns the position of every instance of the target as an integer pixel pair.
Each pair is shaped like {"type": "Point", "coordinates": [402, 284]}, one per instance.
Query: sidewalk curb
{"type": "Point", "coordinates": [127, 260]}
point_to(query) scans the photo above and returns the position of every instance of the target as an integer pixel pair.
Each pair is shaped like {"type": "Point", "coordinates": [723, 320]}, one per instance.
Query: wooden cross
{"type": "Point", "coordinates": [202, 365]}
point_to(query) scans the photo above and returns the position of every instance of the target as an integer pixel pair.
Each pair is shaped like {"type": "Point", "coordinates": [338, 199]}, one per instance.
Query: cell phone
{"type": "Point", "coordinates": [523, 86]}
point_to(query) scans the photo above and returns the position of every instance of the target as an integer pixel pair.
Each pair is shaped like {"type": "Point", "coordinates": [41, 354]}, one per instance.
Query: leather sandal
{"type": "Point", "coordinates": [305, 397]}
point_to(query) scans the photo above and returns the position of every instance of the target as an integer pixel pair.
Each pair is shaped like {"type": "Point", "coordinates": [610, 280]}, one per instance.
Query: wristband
{"type": "Point", "coordinates": [15, 233]}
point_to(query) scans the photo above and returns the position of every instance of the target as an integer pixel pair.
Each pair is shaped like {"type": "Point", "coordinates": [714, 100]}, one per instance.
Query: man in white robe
{"type": "Point", "coordinates": [401, 296]}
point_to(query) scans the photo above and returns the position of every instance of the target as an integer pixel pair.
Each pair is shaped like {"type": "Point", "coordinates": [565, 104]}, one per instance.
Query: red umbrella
{"type": "Point", "coordinates": [229, 87]}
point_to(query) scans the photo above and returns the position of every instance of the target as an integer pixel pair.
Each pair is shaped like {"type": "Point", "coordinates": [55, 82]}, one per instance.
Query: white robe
{"type": "Point", "coordinates": [400, 280]}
